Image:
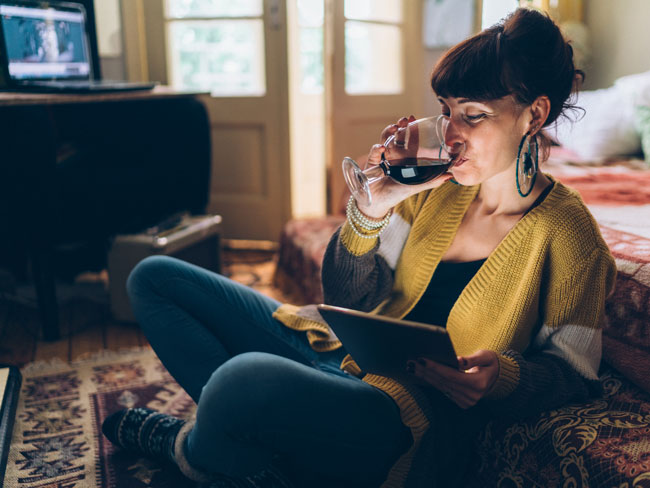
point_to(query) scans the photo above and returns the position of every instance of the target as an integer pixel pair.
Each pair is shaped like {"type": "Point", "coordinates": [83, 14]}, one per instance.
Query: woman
{"type": "Point", "coordinates": [510, 261]}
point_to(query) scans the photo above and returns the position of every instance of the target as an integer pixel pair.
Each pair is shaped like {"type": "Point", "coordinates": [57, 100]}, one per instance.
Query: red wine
{"type": "Point", "coordinates": [413, 171]}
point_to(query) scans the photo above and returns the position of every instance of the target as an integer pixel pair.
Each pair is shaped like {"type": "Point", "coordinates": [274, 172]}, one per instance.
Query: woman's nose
{"type": "Point", "coordinates": [453, 137]}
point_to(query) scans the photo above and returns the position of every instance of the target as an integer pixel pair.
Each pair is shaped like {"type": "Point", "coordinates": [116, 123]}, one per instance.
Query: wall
{"type": "Point", "coordinates": [619, 40]}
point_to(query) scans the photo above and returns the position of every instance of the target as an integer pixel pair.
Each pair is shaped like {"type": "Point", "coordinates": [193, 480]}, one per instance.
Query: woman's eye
{"type": "Point", "coordinates": [474, 118]}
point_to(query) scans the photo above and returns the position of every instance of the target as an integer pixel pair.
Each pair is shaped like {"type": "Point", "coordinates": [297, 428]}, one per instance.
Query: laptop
{"type": "Point", "coordinates": [46, 48]}
{"type": "Point", "coordinates": [382, 345]}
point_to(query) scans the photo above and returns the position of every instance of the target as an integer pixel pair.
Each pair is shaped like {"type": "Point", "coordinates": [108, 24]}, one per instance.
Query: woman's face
{"type": "Point", "coordinates": [491, 132]}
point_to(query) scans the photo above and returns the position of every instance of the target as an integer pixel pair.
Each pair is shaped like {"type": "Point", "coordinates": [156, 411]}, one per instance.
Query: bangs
{"type": "Point", "coordinates": [472, 70]}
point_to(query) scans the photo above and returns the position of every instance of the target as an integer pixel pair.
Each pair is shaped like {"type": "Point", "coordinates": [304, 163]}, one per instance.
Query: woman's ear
{"type": "Point", "coordinates": [539, 111]}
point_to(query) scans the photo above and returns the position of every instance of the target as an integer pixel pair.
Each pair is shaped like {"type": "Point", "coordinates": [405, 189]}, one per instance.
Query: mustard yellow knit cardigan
{"type": "Point", "coordinates": [542, 289]}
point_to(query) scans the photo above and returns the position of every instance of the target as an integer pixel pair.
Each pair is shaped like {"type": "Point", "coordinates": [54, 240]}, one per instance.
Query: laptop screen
{"type": "Point", "coordinates": [45, 41]}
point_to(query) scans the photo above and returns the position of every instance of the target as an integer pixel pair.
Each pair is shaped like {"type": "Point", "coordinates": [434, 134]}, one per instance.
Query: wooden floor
{"type": "Point", "coordinates": [86, 326]}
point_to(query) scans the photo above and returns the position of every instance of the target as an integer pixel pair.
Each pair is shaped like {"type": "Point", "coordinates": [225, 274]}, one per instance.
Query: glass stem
{"type": "Point", "coordinates": [377, 172]}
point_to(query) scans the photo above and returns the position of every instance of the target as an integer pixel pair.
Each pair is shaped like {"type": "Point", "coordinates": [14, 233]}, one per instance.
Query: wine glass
{"type": "Point", "coordinates": [415, 154]}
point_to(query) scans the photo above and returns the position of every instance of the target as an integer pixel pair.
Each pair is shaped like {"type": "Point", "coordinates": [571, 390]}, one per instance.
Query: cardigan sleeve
{"type": "Point", "coordinates": [354, 274]}
{"type": "Point", "coordinates": [543, 381]}
{"type": "Point", "coordinates": [562, 363]}
{"type": "Point", "coordinates": [358, 267]}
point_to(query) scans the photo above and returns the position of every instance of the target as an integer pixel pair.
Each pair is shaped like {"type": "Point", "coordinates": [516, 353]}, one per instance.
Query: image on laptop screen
{"type": "Point", "coordinates": [45, 42]}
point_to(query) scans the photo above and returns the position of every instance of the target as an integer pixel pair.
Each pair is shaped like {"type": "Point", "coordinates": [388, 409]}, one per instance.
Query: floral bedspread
{"type": "Point", "coordinates": [605, 443]}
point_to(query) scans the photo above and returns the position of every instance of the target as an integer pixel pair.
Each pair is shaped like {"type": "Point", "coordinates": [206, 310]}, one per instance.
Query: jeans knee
{"type": "Point", "coordinates": [147, 273]}
{"type": "Point", "coordinates": [245, 386]}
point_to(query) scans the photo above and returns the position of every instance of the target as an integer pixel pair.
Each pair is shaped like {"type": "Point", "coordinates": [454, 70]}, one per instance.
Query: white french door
{"type": "Point", "coordinates": [237, 51]}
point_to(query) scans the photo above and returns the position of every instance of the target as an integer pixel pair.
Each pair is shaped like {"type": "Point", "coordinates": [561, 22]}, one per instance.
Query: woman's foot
{"type": "Point", "coordinates": [154, 435]}
{"type": "Point", "coordinates": [144, 431]}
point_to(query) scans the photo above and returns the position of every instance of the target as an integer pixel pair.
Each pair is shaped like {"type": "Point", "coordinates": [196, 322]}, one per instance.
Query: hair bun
{"type": "Point", "coordinates": [524, 55]}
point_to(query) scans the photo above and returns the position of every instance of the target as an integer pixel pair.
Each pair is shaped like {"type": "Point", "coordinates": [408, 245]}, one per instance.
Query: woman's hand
{"type": "Point", "coordinates": [465, 386]}
{"type": "Point", "coordinates": [388, 193]}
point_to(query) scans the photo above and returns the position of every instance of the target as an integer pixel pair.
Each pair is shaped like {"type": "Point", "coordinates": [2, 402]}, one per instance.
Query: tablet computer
{"type": "Point", "coordinates": [382, 345]}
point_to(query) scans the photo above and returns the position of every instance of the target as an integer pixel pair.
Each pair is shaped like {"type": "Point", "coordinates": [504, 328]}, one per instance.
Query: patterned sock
{"type": "Point", "coordinates": [143, 431]}
{"type": "Point", "coordinates": [161, 436]}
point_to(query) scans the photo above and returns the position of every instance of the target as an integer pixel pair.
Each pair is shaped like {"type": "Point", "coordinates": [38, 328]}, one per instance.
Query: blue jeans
{"type": "Point", "coordinates": [263, 394]}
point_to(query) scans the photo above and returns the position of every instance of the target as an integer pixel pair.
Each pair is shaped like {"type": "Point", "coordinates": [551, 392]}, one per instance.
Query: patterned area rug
{"type": "Point", "coordinates": [57, 440]}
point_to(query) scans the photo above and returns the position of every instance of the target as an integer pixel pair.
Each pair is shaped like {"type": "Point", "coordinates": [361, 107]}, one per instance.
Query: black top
{"type": "Point", "coordinates": [447, 283]}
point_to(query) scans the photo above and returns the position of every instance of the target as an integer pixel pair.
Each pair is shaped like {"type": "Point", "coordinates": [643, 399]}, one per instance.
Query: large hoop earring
{"type": "Point", "coordinates": [527, 167]}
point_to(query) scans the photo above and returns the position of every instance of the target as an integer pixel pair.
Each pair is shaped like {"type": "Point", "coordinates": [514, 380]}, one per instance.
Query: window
{"type": "Point", "coordinates": [216, 46]}
{"type": "Point", "coordinates": [373, 47]}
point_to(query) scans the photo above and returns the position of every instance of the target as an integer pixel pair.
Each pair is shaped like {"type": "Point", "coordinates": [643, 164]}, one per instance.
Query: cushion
{"type": "Point", "coordinates": [608, 127]}
{"type": "Point", "coordinates": [605, 130]}
{"type": "Point", "coordinates": [635, 87]}
{"type": "Point", "coordinates": [601, 443]}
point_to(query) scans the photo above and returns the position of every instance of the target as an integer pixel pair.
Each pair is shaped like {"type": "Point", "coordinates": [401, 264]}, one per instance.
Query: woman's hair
{"type": "Point", "coordinates": [524, 55]}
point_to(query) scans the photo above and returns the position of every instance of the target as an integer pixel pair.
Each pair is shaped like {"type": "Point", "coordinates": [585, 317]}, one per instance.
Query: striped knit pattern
{"type": "Point", "coordinates": [544, 285]}
{"type": "Point", "coordinates": [143, 431]}
{"type": "Point", "coordinates": [162, 437]}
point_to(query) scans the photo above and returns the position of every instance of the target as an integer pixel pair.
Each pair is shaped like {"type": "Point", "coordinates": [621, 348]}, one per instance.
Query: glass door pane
{"type": "Point", "coordinates": [224, 57]}
{"type": "Point", "coordinates": [373, 47]}
{"type": "Point", "coordinates": [373, 58]}
{"type": "Point", "coordinates": [310, 31]}
{"type": "Point", "coordinates": [374, 10]}
{"type": "Point", "coordinates": [179, 9]}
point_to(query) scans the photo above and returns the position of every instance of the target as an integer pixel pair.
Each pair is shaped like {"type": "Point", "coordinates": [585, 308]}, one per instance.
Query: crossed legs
{"type": "Point", "coordinates": [263, 394]}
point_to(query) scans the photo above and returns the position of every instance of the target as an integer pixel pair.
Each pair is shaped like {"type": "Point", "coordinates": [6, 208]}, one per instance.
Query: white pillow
{"type": "Point", "coordinates": [635, 87]}
{"type": "Point", "coordinates": [607, 129]}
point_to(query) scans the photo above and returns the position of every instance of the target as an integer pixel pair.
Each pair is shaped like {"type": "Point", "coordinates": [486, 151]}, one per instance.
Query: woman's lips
{"type": "Point", "coordinates": [459, 162]}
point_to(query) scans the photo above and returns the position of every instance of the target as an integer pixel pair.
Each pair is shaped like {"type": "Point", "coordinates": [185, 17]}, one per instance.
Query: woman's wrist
{"type": "Point", "coordinates": [374, 213]}
{"type": "Point", "coordinates": [364, 225]}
